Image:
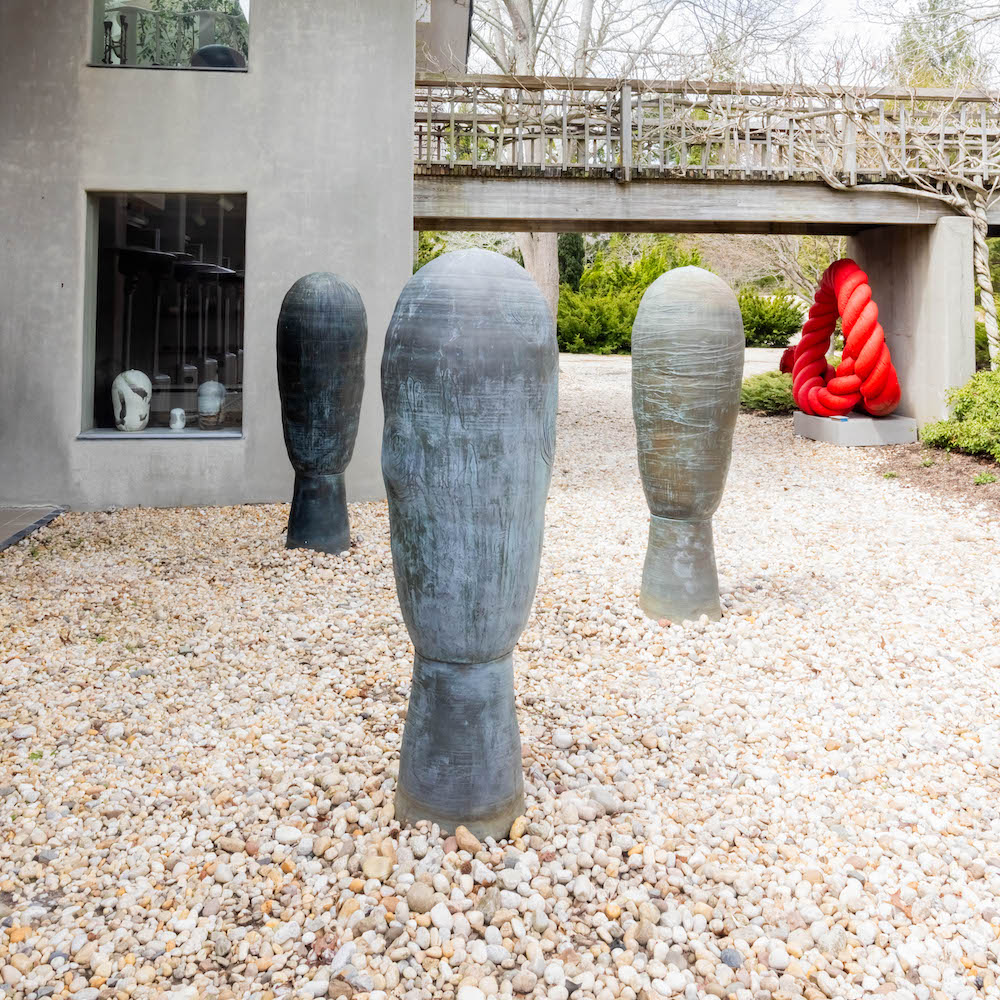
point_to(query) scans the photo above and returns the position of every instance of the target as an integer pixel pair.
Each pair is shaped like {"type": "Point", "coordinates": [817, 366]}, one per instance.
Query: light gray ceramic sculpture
{"type": "Point", "coordinates": [687, 369]}
{"type": "Point", "coordinates": [322, 337]}
{"type": "Point", "coordinates": [469, 383]}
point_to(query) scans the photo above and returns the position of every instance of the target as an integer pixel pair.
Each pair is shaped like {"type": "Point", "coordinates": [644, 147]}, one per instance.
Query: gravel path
{"type": "Point", "coordinates": [199, 738]}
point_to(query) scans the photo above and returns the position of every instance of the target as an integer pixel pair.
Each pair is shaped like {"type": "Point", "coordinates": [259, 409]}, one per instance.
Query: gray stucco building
{"type": "Point", "coordinates": [234, 180]}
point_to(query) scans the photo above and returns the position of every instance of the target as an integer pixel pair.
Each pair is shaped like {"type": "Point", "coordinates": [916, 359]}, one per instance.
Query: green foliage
{"type": "Point", "coordinates": [974, 426]}
{"type": "Point", "coordinates": [984, 479]}
{"type": "Point", "coordinates": [769, 393]}
{"type": "Point", "coordinates": [890, 475]}
{"type": "Point", "coordinates": [571, 259]}
{"type": "Point", "coordinates": [982, 347]}
{"type": "Point", "coordinates": [597, 319]}
{"type": "Point", "coordinates": [429, 245]}
{"type": "Point", "coordinates": [179, 33]}
{"type": "Point", "coordinates": [769, 321]}
{"type": "Point", "coordinates": [927, 463]}
{"type": "Point", "coordinates": [934, 49]}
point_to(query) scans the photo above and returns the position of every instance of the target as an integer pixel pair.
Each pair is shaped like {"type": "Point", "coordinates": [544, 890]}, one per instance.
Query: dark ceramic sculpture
{"type": "Point", "coordinates": [687, 369]}
{"type": "Point", "coordinates": [322, 336]}
{"type": "Point", "coordinates": [469, 382]}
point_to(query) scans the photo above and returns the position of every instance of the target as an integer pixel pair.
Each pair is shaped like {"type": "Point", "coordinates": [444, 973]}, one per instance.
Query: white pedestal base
{"type": "Point", "coordinates": [855, 430]}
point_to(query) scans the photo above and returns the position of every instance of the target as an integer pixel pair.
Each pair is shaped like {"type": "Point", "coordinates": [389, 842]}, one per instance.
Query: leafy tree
{"type": "Point", "coordinates": [934, 48]}
{"type": "Point", "coordinates": [571, 259]}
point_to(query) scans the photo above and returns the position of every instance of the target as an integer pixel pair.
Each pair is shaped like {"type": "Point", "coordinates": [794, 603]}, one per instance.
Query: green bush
{"type": "Point", "coordinates": [769, 393]}
{"type": "Point", "coordinates": [769, 321]}
{"type": "Point", "coordinates": [974, 426]}
{"type": "Point", "coordinates": [598, 318]}
{"type": "Point", "coordinates": [982, 348]}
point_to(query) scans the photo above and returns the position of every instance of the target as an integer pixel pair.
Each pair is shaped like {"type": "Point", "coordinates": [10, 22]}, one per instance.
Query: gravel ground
{"type": "Point", "coordinates": [199, 744]}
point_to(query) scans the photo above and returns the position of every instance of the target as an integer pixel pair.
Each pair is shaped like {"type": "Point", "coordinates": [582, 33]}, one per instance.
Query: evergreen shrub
{"type": "Point", "coordinates": [974, 425]}
{"type": "Point", "coordinates": [769, 321]}
{"type": "Point", "coordinates": [770, 393]}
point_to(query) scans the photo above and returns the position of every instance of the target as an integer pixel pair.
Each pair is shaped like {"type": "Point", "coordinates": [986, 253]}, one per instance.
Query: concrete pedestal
{"type": "Point", "coordinates": [923, 283]}
{"type": "Point", "coordinates": [856, 430]}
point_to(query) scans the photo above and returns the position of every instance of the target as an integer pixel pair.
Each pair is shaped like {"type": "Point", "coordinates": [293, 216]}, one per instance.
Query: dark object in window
{"type": "Point", "coordinates": [170, 304]}
{"type": "Point", "coordinates": [218, 57]}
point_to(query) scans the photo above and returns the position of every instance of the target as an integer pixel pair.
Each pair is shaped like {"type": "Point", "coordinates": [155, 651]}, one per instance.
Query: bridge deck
{"type": "Point", "coordinates": [560, 204]}
{"type": "Point", "coordinates": [506, 153]}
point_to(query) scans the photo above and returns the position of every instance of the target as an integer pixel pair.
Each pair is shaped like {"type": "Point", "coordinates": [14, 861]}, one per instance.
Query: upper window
{"type": "Point", "coordinates": [197, 34]}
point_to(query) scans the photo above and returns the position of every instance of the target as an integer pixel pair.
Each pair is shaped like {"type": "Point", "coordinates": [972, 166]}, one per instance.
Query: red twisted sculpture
{"type": "Point", "coordinates": [865, 376]}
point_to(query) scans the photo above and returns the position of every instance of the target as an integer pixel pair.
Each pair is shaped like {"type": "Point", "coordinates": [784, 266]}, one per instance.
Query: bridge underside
{"type": "Point", "coordinates": [918, 253]}
{"type": "Point", "coordinates": [557, 204]}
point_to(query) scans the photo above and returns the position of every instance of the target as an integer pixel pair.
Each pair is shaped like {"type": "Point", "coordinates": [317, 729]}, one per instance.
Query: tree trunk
{"type": "Point", "coordinates": [541, 261]}
{"type": "Point", "coordinates": [581, 62]}
{"type": "Point", "coordinates": [981, 256]}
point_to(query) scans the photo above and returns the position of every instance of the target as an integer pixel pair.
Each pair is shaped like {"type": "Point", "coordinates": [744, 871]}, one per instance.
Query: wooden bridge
{"type": "Point", "coordinates": [740, 159]}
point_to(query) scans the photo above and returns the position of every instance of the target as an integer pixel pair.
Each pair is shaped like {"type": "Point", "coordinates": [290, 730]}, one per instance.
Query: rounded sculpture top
{"type": "Point", "coordinates": [687, 369]}
{"type": "Point", "coordinates": [321, 341]}
{"type": "Point", "coordinates": [473, 293]}
{"type": "Point", "coordinates": [469, 383]}
{"type": "Point", "coordinates": [686, 305]}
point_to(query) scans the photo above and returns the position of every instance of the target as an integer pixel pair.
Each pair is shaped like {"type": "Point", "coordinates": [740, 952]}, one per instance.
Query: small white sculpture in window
{"type": "Point", "coordinates": [131, 393]}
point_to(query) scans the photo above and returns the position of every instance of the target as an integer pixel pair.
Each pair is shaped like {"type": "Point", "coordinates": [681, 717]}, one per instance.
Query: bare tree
{"type": "Point", "coordinates": [954, 171]}
{"type": "Point", "coordinates": [620, 39]}
{"type": "Point", "coordinates": [797, 261]}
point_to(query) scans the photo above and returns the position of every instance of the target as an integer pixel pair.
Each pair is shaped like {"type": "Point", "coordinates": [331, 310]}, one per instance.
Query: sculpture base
{"type": "Point", "coordinates": [855, 430]}
{"type": "Point", "coordinates": [460, 762]}
{"type": "Point", "coordinates": [318, 518]}
{"type": "Point", "coordinates": [679, 578]}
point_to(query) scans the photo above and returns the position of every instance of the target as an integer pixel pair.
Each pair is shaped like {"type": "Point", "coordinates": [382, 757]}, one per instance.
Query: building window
{"type": "Point", "coordinates": [168, 345]}
{"type": "Point", "coordinates": [197, 34]}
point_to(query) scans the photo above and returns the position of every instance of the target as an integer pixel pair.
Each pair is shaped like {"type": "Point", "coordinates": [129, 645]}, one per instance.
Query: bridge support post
{"type": "Point", "coordinates": [922, 280]}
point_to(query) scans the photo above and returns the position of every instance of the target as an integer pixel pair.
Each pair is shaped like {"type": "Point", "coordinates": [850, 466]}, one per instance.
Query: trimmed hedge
{"type": "Point", "coordinates": [598, 318]}
{"type": "Point", "coordinates": [770, 393]}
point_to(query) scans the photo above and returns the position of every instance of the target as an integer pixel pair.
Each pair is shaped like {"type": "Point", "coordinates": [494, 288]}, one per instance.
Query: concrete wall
{"type": "Point", "coordinates": [443, 42]}
{"type": "Point", "coordinates": [922, 281]}
{"type": "Point", "coordinates": [318, 135]}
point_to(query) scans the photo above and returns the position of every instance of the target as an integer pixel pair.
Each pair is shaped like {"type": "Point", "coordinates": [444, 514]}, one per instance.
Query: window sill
{"type": "Point", "coordinates": [186, 69]}
{"type": "Point", "coordinates": [159, 434]}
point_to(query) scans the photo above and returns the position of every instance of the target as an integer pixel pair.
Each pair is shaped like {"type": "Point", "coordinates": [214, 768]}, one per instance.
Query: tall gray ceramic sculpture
{"type": "Point", "coordinates": [687, 370]}
{"type": "Point", "coordinates": [469, 382]}
{"type": "Point", "coordinates": [322, 336]}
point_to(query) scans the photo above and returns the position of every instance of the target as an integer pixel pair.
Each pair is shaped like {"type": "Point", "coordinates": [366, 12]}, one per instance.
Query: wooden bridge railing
{"type": "Point", "coordinates": [495, 125]}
